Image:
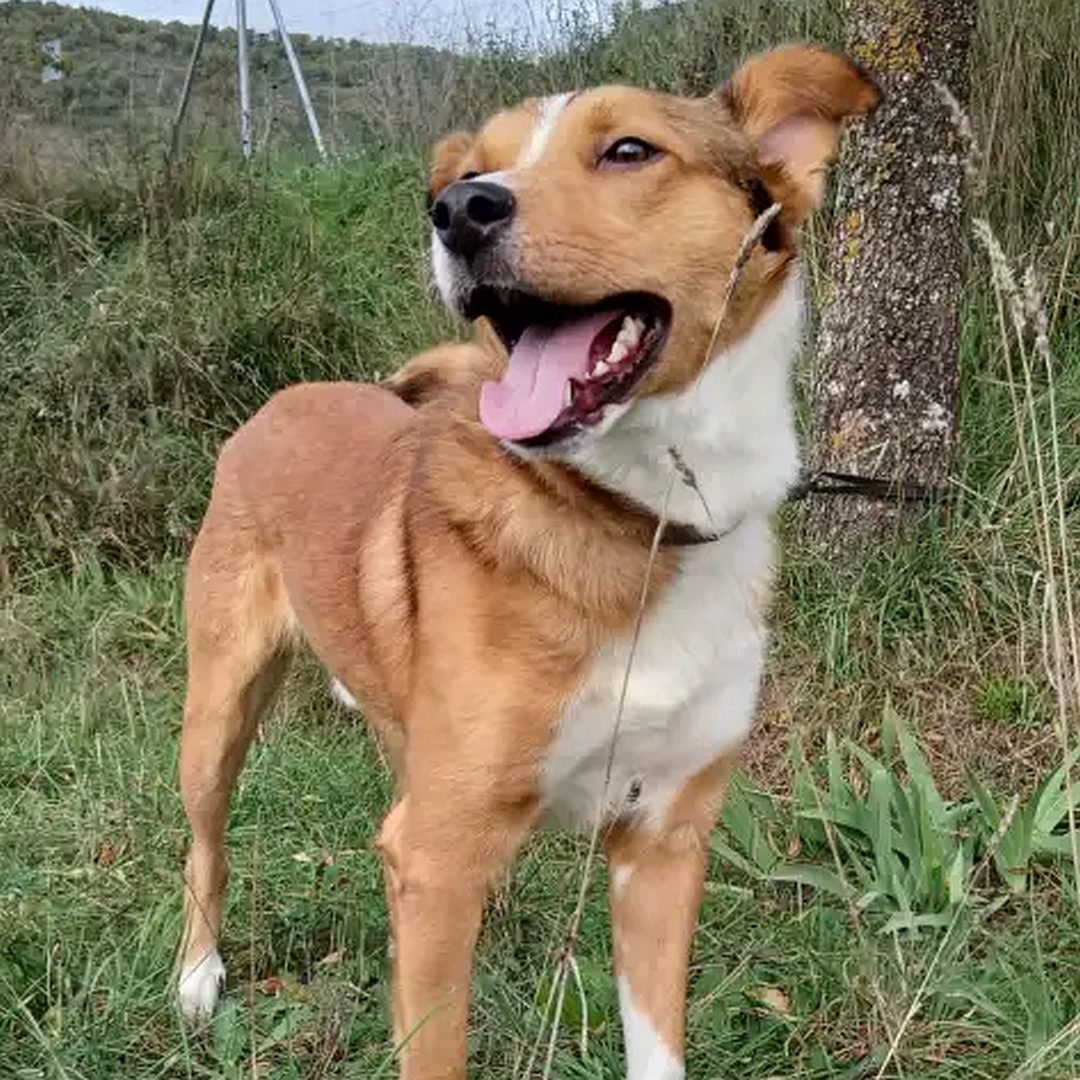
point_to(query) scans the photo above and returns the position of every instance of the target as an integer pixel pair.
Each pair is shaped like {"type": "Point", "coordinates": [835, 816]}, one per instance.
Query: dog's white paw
{"type": "Point", "coordinates": [200, 984]}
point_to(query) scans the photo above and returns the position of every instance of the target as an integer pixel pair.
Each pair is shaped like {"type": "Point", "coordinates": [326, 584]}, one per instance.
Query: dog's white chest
{"type": "Point", "coordinates": [689, 697]}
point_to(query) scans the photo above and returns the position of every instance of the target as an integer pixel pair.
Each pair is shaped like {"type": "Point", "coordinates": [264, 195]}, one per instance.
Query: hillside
{"type": "Point", "coordinates": [125, 74]}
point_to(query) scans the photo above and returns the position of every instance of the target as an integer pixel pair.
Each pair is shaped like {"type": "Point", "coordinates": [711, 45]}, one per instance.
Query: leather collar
{"type": "Point", "coordinates": [678, 534]}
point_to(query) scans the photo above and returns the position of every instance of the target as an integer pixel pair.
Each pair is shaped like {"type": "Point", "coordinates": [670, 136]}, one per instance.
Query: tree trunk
{"type": "Point", "coordinates": [887, 364]}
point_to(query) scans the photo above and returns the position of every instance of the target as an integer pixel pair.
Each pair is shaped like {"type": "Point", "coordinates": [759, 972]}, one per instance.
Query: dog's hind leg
{"type": "Point", "coordinates": [657, 880]}
{"type": "Point", "coordinates": [238, 620]}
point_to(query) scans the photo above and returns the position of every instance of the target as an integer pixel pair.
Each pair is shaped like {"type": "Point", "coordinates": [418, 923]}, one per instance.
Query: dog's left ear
{"type": "Point", "coordinates": [792, 102]}
{"type": "Point", "coordinates": [447, 159]}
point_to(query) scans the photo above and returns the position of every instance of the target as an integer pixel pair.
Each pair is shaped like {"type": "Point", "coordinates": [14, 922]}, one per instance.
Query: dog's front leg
{"type": "Point", "coordinates": [439, 857]}
{"type": "Point", "coordinates": [657, 878]}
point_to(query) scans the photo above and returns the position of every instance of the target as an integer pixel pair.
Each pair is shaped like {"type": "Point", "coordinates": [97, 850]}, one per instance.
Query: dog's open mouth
{"type": "Point", "coordinates": [567, 364]}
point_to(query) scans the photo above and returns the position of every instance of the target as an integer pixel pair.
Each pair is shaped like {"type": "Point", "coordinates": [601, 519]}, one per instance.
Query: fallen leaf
{"type": "Point", "coordinates": [772, 997]}
{"type": "Point", "coordinates": [108, 852]}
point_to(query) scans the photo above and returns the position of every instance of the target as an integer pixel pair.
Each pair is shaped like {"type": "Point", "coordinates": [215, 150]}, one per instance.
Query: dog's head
{"type": "Point", "coordinates": [596, 231]}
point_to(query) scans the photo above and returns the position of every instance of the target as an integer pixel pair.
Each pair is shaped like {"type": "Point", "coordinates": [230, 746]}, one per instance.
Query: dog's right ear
{"type": "Point", "coordinates": [446, 161]}
{"type": "Point", "coordinates": [792, 102]}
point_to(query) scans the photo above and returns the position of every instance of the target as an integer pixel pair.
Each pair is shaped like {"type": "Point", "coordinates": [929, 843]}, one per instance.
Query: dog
{"type": "Point", "coordinates": [541, 561]}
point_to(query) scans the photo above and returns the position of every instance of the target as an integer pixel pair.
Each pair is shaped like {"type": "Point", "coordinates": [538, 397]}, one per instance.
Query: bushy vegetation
{"type": "Point", "coordinates": [142, 326]}
{"type": "Point", "coordinates": [880, 900]}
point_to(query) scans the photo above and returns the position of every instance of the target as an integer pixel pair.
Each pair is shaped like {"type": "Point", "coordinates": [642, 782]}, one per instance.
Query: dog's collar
{"type": "Point", "coordinates": [679, 534]}
{"type": "Point", "coordinates": [674, 534]}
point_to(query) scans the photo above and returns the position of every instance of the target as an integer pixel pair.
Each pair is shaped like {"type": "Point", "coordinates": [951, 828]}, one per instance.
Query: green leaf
{"type": "Point", "coordinates": [907, 825]}
{"type": "Point", "coordinates": [731, 856]}
{"type": "Point", "coordinates": [739, 819]}
{"type": "Point", "coordinates": [907, 920]}
{"type": "Point", "coordinates": [865, 758]}
{"type": "Point", "coordinates": [805, 801]}
{"type": "Point", "coordinates": [817, 877]}
{"type": "Point", "coordinates": [917, 768]}
{"type": "Point", "coordinates": [958, 874]}
{"type": "Point", "coordinates": [880, 800]}
{"type": "Point", "coordinates": [229, 1032]}
{"type": "Point", "coordinates": [855, 818]}
{"type": "Point", "coordinates": [983, 799]}
{"type": "Point", "coordinates": [1014, 848]}
{"type": "Point", "coordinates": [840, 793]}
{"type": "Point", "coordinates": [1052, 800]}
{"type": "Point", "coordinates": [1053, 845]}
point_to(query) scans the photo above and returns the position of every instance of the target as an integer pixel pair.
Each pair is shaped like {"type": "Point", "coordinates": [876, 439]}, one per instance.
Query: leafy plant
{"type": "Point", "coordinates": [1009, 699]}
{"type": "Point", "coordinates": [1037, 830]}
{"type": "Point", "coordinates": [883, 838]}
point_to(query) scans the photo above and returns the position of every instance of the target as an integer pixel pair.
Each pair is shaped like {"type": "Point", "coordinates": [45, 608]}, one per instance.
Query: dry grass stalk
{"type": "Point", "coordinates": [1044, 480]}
{"type": "Point", "coordinates": [566, 963]}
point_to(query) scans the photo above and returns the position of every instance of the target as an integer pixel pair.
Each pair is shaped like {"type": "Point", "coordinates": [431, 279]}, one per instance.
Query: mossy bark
{"type": "Point", "coordinates": [887, 355]}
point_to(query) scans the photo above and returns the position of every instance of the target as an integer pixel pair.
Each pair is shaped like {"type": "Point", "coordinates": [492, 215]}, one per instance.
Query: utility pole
{"type": "Point", "coordinates": [243, 79]}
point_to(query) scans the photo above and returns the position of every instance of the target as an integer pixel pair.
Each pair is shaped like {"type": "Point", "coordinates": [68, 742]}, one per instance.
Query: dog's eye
{"type": "Point", "coordinates": [628, 154]}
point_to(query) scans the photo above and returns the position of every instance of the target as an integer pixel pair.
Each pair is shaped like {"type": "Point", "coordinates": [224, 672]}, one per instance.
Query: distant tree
{"type": "Point", "coordinates": [887, 360]}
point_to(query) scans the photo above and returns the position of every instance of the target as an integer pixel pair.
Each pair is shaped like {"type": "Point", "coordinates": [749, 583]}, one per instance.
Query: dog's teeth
{"type": "Point", "coordinates": [629, 336]}
{"type": "Point", "coordinates": [618, 353]}
{"type": "Point", "coordinates": [601, 368]}
{"type": "Point", "coordinates": [568, 395]}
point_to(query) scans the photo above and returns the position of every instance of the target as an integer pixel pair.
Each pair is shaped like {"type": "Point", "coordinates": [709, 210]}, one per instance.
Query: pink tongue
{"type": "Point", "coordinates": [529, 397]}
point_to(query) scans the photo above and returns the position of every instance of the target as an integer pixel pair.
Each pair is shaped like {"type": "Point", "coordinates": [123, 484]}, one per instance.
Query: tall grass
{"type": "Point", "coordinates": [143, 313]}
{"type": "Point", "coordinates": [144, 316]}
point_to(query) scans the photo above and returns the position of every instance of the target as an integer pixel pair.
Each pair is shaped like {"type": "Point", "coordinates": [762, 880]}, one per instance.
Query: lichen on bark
{"type": "Point", "coordinates": [885, 375]}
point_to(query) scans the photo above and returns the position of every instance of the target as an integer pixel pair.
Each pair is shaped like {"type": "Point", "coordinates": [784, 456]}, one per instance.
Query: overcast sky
{"type": "Point", "coordinates": [434, 22]}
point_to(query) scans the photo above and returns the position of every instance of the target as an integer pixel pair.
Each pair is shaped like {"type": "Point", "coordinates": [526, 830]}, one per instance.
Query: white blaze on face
{"type": "Point", "coordinates": [446, 269]}
{"type": "Point", "coordinates": [647, 1056]}
{"type": "Point", "coordinates": [548, 113]}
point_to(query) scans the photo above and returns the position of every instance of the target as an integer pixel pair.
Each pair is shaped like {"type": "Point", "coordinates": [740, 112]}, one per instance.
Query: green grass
{"type": "Point", "coordinates": [143, 321]}
{"type": "Point", "coordinates": [143, 315]}
{"type": "Point", "coordinates": [91, 842]}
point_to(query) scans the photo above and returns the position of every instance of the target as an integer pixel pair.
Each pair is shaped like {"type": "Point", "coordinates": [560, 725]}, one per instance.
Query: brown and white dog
{"type": "Point", "coordinates": [466, 550]}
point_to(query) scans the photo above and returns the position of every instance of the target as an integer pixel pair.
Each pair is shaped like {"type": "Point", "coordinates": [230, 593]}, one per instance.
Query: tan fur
{"type": "Point", "coordinates": [462, 592]}
{"type": "Point", "coordinates": [663, 870]}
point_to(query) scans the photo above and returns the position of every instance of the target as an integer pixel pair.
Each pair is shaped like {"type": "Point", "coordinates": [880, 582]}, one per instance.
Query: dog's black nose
{"type": "Point", "coordinates": [469, 215]}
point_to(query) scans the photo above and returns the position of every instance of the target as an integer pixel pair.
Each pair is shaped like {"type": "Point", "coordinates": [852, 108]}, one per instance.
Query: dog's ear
{"type": "Point", "coordinates": [792, 102]}
{"type": "Point", "coordinates": [446, 160]}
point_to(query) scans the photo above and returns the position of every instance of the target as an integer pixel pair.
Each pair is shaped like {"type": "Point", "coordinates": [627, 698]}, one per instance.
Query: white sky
{"type": "Point", "coordinates": [433, 22]}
